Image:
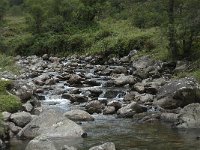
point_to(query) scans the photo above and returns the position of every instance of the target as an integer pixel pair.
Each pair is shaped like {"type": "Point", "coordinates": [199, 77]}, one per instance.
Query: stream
{"type": "Point", "coordinates": [125, 133]}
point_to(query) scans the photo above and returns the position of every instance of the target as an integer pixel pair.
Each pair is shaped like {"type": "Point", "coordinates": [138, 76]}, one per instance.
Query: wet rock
{"type": "Point", "coordinates": [130, 110]}
{"type": "Point", "coordinates": [78, 115]}
{"type": "Point", "coordinates": [75, 98]}
{"type": "Point", "coordinates": [40, 143]}
{"type": "Point", "coordinates": [51, 123]}
{"type": "Point", "coordinates": [6, 115]}
{"type": "Point", "coordinates": [111, 94]}
{"type": "Point", "coordinates": [106, 146]}
{"type": "Point", "coordinates": [21, 118]}
{"type": "Point", "coordinates": [75, 79]}
{"type": "Point", "coordinates": [139, 87]}
{"type": "Point", "coordinates": [50, 82]}
{"type": "Point", "coordinates": [144, 98]}
{"type": "Point", "coordinates": [189, 116]}
{"type": "Point", "coordinates": [92, 82]}
{"type": "Point", "coordinates": [94, 107]}
{"type": "Point", "coordinates": [119, 70]}
{"type": "Point", "coordinates": [95, 92]}
{"type": "Point", "coordinates": [27, 106]}
{"type": "Point", "coordinates": [115, 104]}
{"type": "Point", "coordinates": [130, 96]}
{"type": "Point", "coordinates": [123, 80]}
{"type": "Point", "coordinates": [169, 117]}
{"type": "Point", "coordinates": [148, 117]}
{"type": "Point", "coordinates": [109, 110]}
{"type": "Point", "coordinates": [178, 93]}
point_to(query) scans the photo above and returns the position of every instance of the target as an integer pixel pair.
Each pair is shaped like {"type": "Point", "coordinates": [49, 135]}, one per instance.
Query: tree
{"type": "Point", "coordinates": [171, 30]}
{"type": "Point", "coordinates": [3, 8]}
{"type": "Point", "coordinates": [36, 18]}
{"type": "Point", "coordinates": [183, 26]}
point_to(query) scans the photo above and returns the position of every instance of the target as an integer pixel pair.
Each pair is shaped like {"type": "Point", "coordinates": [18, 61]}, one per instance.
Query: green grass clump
{"type": "Point", "coordinates": [7, 64]}
{"type": "Point", "coordinates": [8, 102]}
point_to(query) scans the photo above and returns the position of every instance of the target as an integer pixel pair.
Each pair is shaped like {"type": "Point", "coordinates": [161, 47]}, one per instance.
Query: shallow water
{"type": "Point", "coordinates": [130, 136]}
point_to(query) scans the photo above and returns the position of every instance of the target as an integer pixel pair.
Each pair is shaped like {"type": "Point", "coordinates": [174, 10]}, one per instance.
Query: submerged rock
{"type": "Point", "coordinates": [40, 143]}
{"type": "Point", "coordinates": [106, 146]}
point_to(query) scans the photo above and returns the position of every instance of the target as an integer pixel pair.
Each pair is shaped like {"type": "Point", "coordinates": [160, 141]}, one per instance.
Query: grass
{"type": "Point", "coordinates": [8, 102]}
{"type": "Point", "coordinates": [7, 64]}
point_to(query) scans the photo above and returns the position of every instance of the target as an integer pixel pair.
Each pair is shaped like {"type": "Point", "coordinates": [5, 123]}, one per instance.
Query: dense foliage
{"type": "Point", "coordinates": [163, 28]}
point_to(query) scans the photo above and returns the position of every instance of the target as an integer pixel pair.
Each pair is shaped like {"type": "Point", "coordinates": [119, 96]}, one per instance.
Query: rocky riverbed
{"type": "Point", "coordinates": [79, 102]}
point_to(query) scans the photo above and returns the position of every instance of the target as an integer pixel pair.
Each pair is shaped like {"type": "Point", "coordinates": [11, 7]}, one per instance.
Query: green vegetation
{"type": "Point", "coordinates": [165, 30]}
{"type": "Point", "coordinates": [8, 102]}
{"type": "Point", "coordinates": [7, 64]}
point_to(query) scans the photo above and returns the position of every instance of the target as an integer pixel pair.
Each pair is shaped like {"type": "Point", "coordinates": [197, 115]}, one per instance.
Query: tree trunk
{"type": "Point", "coordinates": [171, 31]}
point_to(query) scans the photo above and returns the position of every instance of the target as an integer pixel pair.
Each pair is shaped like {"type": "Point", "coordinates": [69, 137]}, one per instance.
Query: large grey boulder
{"type": "Point", "coordinates": [40, 143]}
{"type": "Point", "coordinates": [21, 118]}
{"type": "Point", "coordinates": [106, 146]}
{"type": "Point", "coordinates": [79, 115]}
{"type": "Point", "coordinates": [51, 123]}
{"type": "Point", "coordinates": [189, 116]}
{"type": "Point", "coordinates": [178, 93]}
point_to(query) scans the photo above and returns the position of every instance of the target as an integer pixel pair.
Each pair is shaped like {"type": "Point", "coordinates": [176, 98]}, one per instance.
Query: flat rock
{"type": "Point", "coordinates": [79, 115]}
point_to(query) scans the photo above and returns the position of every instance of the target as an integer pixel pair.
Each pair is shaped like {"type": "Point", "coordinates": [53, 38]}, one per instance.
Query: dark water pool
{"type": "Point", "coordinates": [130, 136]}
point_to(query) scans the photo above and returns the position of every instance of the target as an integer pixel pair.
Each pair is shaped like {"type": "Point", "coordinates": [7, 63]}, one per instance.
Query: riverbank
{"type": "Point", "coordinates": [142, 89]}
